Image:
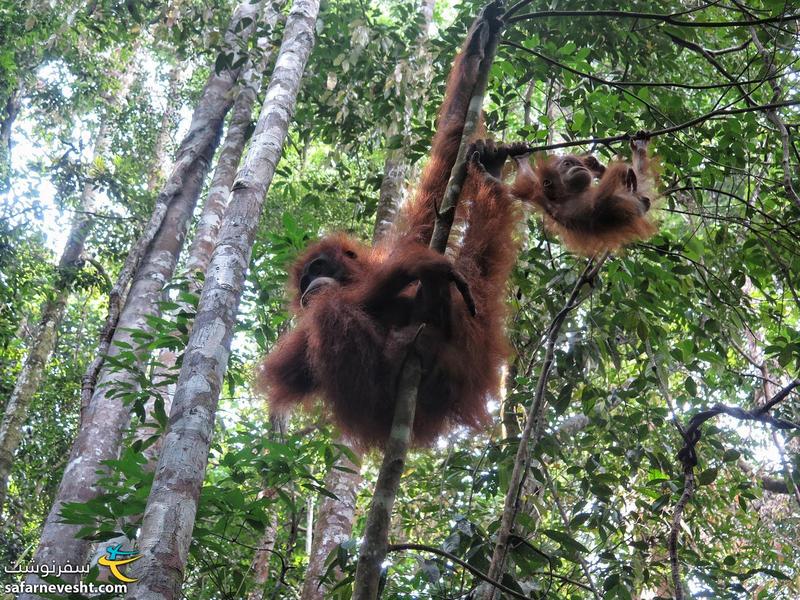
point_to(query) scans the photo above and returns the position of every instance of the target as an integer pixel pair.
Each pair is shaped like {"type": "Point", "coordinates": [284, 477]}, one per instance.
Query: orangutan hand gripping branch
{"type": "Point", "coordinates": [591, 217]}
{"type": "Point", "coordinates": [358, 308]}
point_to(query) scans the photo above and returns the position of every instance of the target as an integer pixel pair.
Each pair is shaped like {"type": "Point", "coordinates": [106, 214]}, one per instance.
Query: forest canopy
{"type": "Point", "coordinates": [163, 163]}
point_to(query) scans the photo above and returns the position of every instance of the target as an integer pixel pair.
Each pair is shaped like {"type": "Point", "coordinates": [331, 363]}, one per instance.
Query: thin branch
{"type": "Point", "coordinates": [714, 63]}
{"type": "Point", "coordinates": [663, 383]}
{"type": "Point", "coordinates": [770, 484]}
{"type": "Point", "coordinates": [686, 125]}
{"type": "Point", "coordinates": [779, 397]}
{"type": "Point", "coordinates": [618, 84]}
{"type": "Point", "coordinates": [669, 19]}
{"type": "Point", "coordinates": [481, 574]}
{"type": "Point", "coordinates": [523, 3]}
{"type": "Point", "coordinates": [782, 225]}
{"type": "Point", "coordinates": [533, 423]}
{"type": "Point", "coordinates": [373, 549]}
{"type": "Point", "coordinates": [688, 458]}
{"type": "Point", "coordinates": [779, 123]}
{"type": "Point", "coordinates": [461, 563]}
{"type": "Point", "coordinates": [722, 51]}
{"type": "Point", "coordinates": [677, 516]}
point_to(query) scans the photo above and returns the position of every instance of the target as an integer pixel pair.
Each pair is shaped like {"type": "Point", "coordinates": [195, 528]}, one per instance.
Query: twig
{"type": "Point", "coordinates": [481, 574]}
{"type": "Point", "coordinates": [620, 84]}
{"type": "Point", "coordinates": [458, 561]}
{"type": "Point", "coordinates": [523, 3]}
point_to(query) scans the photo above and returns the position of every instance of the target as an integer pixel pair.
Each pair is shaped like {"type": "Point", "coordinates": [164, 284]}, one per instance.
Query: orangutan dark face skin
{"type": "Point", "coordinates": [575, 175]}
{"type": "Point", "coordinates": [319, 272]}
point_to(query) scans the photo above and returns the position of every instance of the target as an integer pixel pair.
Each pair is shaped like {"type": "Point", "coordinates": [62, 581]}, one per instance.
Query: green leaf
{"type": "Point", "coordinates": [707, 476]}
{"type": "Point", "coordinates": [731, 455]}
{"type": "Point", "coordinates": [566, 541]}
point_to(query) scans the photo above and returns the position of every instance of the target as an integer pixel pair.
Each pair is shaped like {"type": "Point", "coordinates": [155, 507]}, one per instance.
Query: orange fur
{"type": "Point", "coordinates": [590, 217]}
{"type": "Point", "coordinates": [353, 334]}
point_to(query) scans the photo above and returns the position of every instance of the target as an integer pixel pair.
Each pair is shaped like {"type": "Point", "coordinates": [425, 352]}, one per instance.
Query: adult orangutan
{"type": "Point", "coordinates": [358, 308]}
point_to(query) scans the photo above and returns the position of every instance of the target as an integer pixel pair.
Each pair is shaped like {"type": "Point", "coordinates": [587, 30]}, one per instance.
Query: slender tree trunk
{"type": "Point", "coordinates": [374, 548]}
{"type": "Point", "coordinates": [6, 125]}
{"type": "Point", "coordinates": [205, 236]}
{"type": "Point", "coordinates": [531, 432]}
{"type": "Point", "coordinates": [105, 416]}
{"type": "Point", "coordinates": [154, 181]}
{"type": "Point", "coordinates": [172, 506]}
{"type": "Point", "coordinates": [391, 193]}
{"type": "Point", "coordinates": [52, 313]}
{"type": "Point", "coordinates": [231, 154]}
{"type": "Point", "coordinates": [395, 165]}
{"type": "Point", "coordinates": [160, 160]}
{"type": "Point", "coordinates": [266, 545]}
{"type": "Point", "coordinates": [334, 522]}
{"type": "Point", "coordinates": [261, 560]}
{"type": "Point", "coordinates": [204, 130]}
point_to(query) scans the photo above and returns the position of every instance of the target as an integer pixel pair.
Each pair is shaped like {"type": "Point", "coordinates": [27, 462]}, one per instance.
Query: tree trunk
{"type": "Point", "coordinates": [231, 154]}
{"type": "Point", "coordinates": [334, 522]}
{"type": "Point", "coordinates": [52, 313]}
{"type": "Point", "coordinates": [395, 165]}
{"type": "Point", "coordinates": [262, 558]}
{"type": "Point", "coordinates": [6, 125]}
{"type": "Point", "coordinates": [210, 111]}
{"type": "Point", "coordinates": [172, 506]}
{"type": "Point", "coordinates": [391, 193]}
{"type": "Point", "coordinates": [156, 178]}
{"type": "Point", "coordinates": [205, 236]}
{"type": "Point", "coordinates": [105, 417]}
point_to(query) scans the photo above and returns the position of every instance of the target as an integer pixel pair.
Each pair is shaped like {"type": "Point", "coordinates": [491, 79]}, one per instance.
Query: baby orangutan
{"type": "Point", "coordinates": [590, 217]}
